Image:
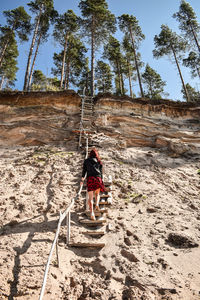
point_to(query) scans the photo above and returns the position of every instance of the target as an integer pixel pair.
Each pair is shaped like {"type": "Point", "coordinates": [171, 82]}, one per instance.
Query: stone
{"type": "Point", "coordinates": [127, 241]}
{"type": "Point", "coordinates": [130, 256]}
{"type": "Point", "coordinates": [181, 241]}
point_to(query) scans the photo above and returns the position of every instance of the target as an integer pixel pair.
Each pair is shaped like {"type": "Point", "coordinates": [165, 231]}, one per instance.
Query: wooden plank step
{"type": "Point", "coordinates": [93, 233]}
{"type": "Point", "coordinates": [92, 223]}
{"type": "Point", "coordinates": [87, 109]}
{"type": "Point", "coordinates": [103, 210]}
{"type": "Point", "coordinates": [87, 245]}
{"type": "Point", "coordinates": [104, 196]}
{"type": "Point", "coordinates": [104, 203]}
{"type": "Point", "coordinates": [98, 213]}
{"type": "Point", "coordinates": [87, 131]}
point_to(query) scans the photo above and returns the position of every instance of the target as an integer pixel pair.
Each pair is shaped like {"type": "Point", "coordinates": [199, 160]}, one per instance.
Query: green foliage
{"type": "Point", "coordinates": [153, 82]}
{"type": "Point", "coordinates": [98, 20]}
{"type": "Point", "coordinates": [193, 62]}
{"type": "Point", "coordinates": [19, 22]}
{"type": "Point", "coordinates": [97, 24]}
{"type": "Point", "coordinates": [42, 83]}
{"type": "Point", "coordinates": [104, 77]}
{"type": "Point", "coordinates": [112, 51]}
{"type": "Point", "coordinates": [129, 23]}
{"type": "Point", "coordinates": [194, 96]}
{"type": "Point", "coordinates": [171, 44]}
{"type": "Point", "coordinates": [9, 64]}
{"type": "Point", "coordinates": [188, 22]}
{"type": "Point", "coordinates": [84, 82]}
{"type": "Point", "coordinates": [168, 42]}
{"type": "Point", "coordinates": [66, 24]}
{"type": "Point", "coordinates": [74, 62]}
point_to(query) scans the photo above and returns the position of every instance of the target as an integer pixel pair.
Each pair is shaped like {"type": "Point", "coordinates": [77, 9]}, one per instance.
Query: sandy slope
{"type": "Point", "coordinates": [154, 195]}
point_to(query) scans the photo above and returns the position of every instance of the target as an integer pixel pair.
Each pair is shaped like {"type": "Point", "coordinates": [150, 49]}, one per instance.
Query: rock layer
{"type": "Point", "coordinates": [42, 118]}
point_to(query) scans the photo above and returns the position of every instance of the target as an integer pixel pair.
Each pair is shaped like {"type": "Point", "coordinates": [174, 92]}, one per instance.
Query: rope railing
{"type": "Point", "coordinates": [66, 214]}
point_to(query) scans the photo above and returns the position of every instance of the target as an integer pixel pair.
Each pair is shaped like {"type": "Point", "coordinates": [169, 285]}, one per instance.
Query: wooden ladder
{"type": "Point", "coordinates": [94, 230]}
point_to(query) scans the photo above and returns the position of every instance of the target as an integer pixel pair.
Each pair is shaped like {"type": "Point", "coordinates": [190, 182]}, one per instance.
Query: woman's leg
{"type": "Point", "coordinates": [90, 202]}
{"type": "Point", "coordinates": [97, 197]}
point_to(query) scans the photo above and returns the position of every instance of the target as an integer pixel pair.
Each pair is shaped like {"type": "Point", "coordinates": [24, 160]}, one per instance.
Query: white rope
{"type": "Point", "coordinates": [61, 218]}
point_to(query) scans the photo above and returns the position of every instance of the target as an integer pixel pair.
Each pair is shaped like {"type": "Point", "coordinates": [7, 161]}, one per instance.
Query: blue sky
{"type": "Point", "coordinates": [150, 14]}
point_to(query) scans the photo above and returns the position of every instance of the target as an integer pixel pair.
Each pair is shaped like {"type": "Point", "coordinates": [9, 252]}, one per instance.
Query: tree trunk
{"type": "Point", "coordinates": [92, 57]}
{"type": "Point", "coordinates": [198, 71]}
{"type": "Point", "coordinates": [33, 63]}
{"type": "Point", "coordinates": [122, 80]}
{"type": "Point", "coordinates": [119, 78]}
{"type": "Point", "coordinates": [63, 61]}
{"type": "Point", "coordinates": [3, 52]}
{"type": "Point", "coordinates": [151, 90]}
{"type": "Point", "coordinates": [31, 50]}
{"type": "Point", "coordinates": [129, 79]}
{"type": "Point", "coordinates": [67, 73]}
{"type": "Point", "coordinates": [179, 70]}
{"type": "Point", "coordinates": [195, 38]}
{"type": "Point", "coordinates": [136, 63]}
{"type": "Point", "coordinates": [2, 82]}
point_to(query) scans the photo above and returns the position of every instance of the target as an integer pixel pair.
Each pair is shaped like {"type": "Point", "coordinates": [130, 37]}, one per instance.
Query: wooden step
{"type": "Point", "coordinates": [98, 213]}
{"type": "Point", "coordinates": [104, 203]}
{"type": "Point", "coordinates": [86, 131]}
{"type": "Point", "coordinates": [86, 119]}
{"type": "Point", "coordinates": [87, 245]}
{"type": "Point", "coordinates": [104, 196]}
{"type": "Point", "coordinates": [92, 223]}
{"type": "Point", "coordinates": [94, 233]}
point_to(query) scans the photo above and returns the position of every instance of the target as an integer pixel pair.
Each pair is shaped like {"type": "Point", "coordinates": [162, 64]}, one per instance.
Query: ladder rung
{"type": "Point", "coordinates": [87, 245]}
{"type": "Point", "coordinates": [94, 233]}
{"type": "Point", "coordinates": [92, 223]}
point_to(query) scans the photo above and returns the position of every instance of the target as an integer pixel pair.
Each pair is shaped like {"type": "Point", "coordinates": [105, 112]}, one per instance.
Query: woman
{"type": "Point", "coordinates": [93, 167]}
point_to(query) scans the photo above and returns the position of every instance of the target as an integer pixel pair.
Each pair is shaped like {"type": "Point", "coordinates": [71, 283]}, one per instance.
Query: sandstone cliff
{"type": "Point", "coordinates": [43, 118]}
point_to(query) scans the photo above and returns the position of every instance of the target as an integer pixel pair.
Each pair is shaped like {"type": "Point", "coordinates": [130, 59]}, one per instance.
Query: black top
{"type": "Point", "coordinates": [92, 167]}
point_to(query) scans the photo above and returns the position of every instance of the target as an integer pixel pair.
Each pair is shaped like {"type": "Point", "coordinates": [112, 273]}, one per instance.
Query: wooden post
{"type": "Point", "coordinates": [57, 254]}
{"type": "Point", "coordinates": [68, 227]}
{"type": "Point", "coordinates": [110, 193]}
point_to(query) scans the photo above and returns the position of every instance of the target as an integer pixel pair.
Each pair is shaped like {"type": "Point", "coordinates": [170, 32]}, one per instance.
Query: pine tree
{"type": "Point", "coordinates": [188, 22]}
{"type": "Point", "coordinates": [41, 38]}
{"type": "Point", "coordinates": [153, 82]}
{"type": "Point", "coordinates": [42, 9]}
{"type": "Point", "coordinates": [130, 67]}
{"type": "Point", "coordinates": [9, 64]}
{"type": "Point", "coordinates": [193, 62]}
{"type": "Point", "coordinates": [129, 25]}
{"type": "Point", "coordinates": [112, 52]}
{"type": "Point", "coordinates": [18, 22]}
{"type": "Point", "coordinates": [84, 82]}
{"type": "Point", "coordinates": [194, 95]}
{"type": "Point", "coordinates": [169, 43]}
{"type": "Point", "coordinates": [74, 62]}
{"type": "Point", "coordinates": [104, 77]}
{"type": "Point", "coordinates": [66, 25]}
{"type": "Point", "coordinates": [43, 83]}
{"type": "Point", "coordinates": [97, 24]}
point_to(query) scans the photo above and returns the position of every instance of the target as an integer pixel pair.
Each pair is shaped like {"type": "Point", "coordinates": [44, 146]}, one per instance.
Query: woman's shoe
{"type": "Point", "coordinates": [97, 208]}
{"type": "Point", "coordinates": [93, 216]}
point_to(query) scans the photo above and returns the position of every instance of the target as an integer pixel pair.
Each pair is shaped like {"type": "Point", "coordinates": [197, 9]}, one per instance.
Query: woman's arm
{"type": "Point", "coordinates": [83, 172]}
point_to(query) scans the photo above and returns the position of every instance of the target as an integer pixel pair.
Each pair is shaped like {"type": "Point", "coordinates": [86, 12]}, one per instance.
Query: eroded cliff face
{"type": "Point", "coordinates": [42, 118]}
{"type": "Point", "coordinates": [161, 124]}
{"type": "Point", "coordinates": [38, 118]}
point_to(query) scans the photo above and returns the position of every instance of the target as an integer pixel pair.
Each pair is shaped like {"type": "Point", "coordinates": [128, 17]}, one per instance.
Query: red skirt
{"type": "Point", "coordinates": [95, 183]}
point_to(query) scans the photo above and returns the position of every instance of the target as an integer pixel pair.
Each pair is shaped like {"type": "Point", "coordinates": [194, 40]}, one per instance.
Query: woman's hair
{"type": "Point", "coordinates": [94, 153]}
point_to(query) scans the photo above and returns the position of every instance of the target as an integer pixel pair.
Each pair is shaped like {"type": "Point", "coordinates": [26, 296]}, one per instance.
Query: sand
{"type": "Point", "coordinates": [152, 230]}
